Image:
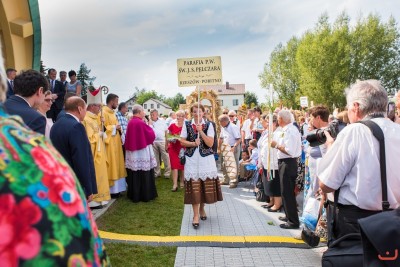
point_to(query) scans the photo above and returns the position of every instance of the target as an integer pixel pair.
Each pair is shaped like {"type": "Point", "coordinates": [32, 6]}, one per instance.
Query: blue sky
{"type": "Point", "coordinates": [136, 43]}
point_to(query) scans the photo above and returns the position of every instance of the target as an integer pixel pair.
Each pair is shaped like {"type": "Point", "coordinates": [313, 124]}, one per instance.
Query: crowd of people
{"type": "Point", "coordinates": [110, 152]}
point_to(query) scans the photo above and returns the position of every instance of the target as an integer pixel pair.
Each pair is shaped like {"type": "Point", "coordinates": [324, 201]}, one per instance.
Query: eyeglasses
{"type": "Point", "coordinates": [49, 100]}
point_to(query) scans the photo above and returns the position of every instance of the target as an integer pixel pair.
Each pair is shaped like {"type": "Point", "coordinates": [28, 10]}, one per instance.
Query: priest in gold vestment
{"type": "Point", "coordinates": [96, 135]}
{"type": "Point", "coordinates": [115, 156]}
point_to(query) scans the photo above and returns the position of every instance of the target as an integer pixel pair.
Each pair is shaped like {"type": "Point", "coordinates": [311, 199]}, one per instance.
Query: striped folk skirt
{"type": "Point", "coordinates": [199, 191]}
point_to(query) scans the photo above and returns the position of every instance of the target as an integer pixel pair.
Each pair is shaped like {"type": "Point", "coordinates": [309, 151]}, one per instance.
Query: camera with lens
{"type": "Point", "coordinates": [318, 137]}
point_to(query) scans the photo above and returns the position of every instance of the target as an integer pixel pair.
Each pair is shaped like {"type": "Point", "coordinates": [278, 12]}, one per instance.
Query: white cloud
{"type": "Point", "coordinates": [136, 43]}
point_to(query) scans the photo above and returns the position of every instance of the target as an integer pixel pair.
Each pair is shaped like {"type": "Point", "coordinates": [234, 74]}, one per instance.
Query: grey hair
{"type": "Point", "coordinates": [136, 109]}
{"type": "Point", "coordinates": [223, 117]}
{"type": "Point", "coordinates": [232, 112]}
{"type": "Point", "coordinates": [370, 95]}
{"type": "Point", "coordinates": [171, 113]}
{"type": "Point", "coordinates": [286, 116]}
{"type": "Point", "coordinates": [182, 112]}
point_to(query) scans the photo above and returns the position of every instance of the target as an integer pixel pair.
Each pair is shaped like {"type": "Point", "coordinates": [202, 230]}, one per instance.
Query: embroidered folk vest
{"type": "Point", "coordinates": [191, 137]}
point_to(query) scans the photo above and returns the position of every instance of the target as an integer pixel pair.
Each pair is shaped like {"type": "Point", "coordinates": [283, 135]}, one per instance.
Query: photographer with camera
{"type": "Point", "coordinates": [319, 116]}
{"type": "Point", "coordinates": [352, 163]}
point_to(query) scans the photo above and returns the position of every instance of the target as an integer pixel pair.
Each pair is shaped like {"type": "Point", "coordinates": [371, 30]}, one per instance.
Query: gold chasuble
{"type": "Point", "coordinates": [91, 123]}
{"type": "Point", "coordinates": [115, 156]}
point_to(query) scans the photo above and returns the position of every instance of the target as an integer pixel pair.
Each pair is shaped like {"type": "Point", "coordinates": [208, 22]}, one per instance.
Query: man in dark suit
{"type": "Point", "coordinates": [69, 137]}
{"type": "Point", "coordinates": [63, 77]}
{"type": "Point", "coordinates": [29, 89]}
{"type": "Point", "coordinates": [11, 73]}
{"type": "Point", "coordinates": [58, 90]}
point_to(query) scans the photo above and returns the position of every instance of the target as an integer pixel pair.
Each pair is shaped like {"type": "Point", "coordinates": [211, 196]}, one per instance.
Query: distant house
{"type": "Point", "coordinates": [162, 108]}
{"type": "Point", "coordinates": [230, 96]}
{"type": "Point", "coordinates": [130, 102]}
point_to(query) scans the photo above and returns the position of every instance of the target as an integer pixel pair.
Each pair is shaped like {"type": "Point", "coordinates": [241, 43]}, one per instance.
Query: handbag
{"type": "Point", "coordinates": [182, 158]}
{"type": "Point", "coordinates": [311, 214]}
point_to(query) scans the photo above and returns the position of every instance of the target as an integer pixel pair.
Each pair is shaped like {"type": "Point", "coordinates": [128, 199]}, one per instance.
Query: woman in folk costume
{"type": "Point", "coordinates": [201, 176]}
{"type": "Point", "coordinates": [95, 134]}
{"type": "Point", "coordinates": [140, 160]}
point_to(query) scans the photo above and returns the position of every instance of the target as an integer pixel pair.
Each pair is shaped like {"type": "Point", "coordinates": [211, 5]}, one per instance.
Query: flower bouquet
{"type": "Point", "coordinates": [173, 137]}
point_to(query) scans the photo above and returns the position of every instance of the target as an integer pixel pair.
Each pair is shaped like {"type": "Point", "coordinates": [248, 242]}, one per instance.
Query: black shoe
{"type": "Point", "coordinates": [97, 207]}
{"type": "Point", "coordinates": [288, 226]}
{"type": "Point", "coordinates": [203, 218]}
{"type": "Point", "coordinates": [273, 210]}
{"type": "Point", "coordinates": [266, 206]}
{"type": "Point", "coordinates": [283, 218]}
{"type": "Point", "coordinates": [174, 189]}
{"type": "Point", "coordinates": [117, 195]}
{"type": "Point", "coordinates": [195, 225]}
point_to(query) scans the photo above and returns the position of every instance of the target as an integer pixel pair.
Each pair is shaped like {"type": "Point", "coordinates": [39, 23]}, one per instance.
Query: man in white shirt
{"type": "Point", "coordinates": [289, 149]}
{"type": "Point", "coordinates": [230, 134]}
{"type": "Point", "coordinates": [160, 128]}
{"type": "Point", "coordinates": [233, 118]}
{"type": "Point", "coordinates": [352, 164]}
{"type": "Point", "coordinates": [246, 132]}
{"type": "Point", "coordinates": [171, 118]}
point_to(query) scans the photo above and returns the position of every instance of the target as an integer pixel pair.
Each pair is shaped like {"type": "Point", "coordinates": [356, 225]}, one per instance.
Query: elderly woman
{"type": "Point", "coordinates": [44, 215]}
{"type": "Point", "coordinates": [43, 108]}
{"type": "Point", "coordinates": [268, 160]}
{"type": "Point", "coordinates": [140, 160]}
{"type": "Point", "coordinates": [173, 146]}
{"type": "Point", "coordinates": [201, 176]}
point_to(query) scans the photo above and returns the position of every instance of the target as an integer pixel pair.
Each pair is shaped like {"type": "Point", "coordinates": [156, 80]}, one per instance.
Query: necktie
{"type": "Point", "coordinates": [12, 84]}
{"type": "Point", "coordinates": [52, 85]}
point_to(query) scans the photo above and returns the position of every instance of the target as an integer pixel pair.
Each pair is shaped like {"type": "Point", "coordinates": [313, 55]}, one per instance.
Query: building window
{"type": "Point", "coordinates": [145, 106]}
{"type": "Point", "coordinates": [236, 102]}
{"type": "Point", "coordinates": [158, 105]}
{"type": "Point", "coordinates": [151, 105]}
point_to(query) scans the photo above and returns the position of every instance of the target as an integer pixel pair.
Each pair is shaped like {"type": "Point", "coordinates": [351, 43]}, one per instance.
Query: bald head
{"type": "Point", "coordinates": [76, 106]}
{"type": "Point", "coordinates": [72, 103]}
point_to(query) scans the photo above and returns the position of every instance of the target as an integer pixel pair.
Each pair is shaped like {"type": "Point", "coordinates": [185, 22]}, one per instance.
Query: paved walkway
{"type": "Point", "coordinates": [241, 215]}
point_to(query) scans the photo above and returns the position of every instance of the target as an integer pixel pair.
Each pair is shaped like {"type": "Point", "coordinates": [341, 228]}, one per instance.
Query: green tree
{"type": "Point", "coordinates": [143, 96]}
{"type": "Point", "coordinates": [43, 70]}
{"type": "Point", "coordinates": [282, 72]}
{"type": "Point", "coordinates": [84, 78]}
{"type": "Point", "coordinates": [250, 99]}
{"type": "Point", "coordinates": [323, 58]}
{"type": "Point", "coordinates": [376, 51]}
{"type": "Point", "coordinates": [175, 101]}
{"type": "Point", "coordinates": [328, 58]}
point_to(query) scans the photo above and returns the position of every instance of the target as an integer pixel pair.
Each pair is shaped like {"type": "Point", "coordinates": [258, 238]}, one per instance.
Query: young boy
{"type": "Point", "coordinates": [252, 160]}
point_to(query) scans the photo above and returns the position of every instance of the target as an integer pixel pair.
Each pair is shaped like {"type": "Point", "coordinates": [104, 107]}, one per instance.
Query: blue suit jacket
{"type": "Point", "coordinates": [59, 90]}
{"type": "Point", "coordinates": [70, 139]}
{"type": "Point", "coordinates": [15, 105]}
{"type": "Point", "coordinates": [10, 90]}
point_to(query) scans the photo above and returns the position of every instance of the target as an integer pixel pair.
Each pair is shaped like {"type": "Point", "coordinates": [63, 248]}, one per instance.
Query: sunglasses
{"type": "Point", "coordinates": [49, 100]}
{"type": "Point", "coordinates": [225, 113]}
{"type": "Point", "coordinates": [231, 116]}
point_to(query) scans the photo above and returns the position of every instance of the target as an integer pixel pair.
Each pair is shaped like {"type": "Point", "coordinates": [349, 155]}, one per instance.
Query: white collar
{"type": "Point", "coordinates": [202, 121]}
{"type": "Point", "coordinates": [24, 100]}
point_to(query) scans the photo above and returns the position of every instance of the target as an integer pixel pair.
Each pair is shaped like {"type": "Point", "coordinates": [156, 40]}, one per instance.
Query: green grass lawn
{"type": "Point", "coordinates": [128, 255]}
{"type": "Point", "coordinates": [162, 217]}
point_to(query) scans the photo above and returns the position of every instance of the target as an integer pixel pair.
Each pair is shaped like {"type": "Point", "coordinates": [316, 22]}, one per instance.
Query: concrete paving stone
{"type": "Point", "coordinates": [239, 214]}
